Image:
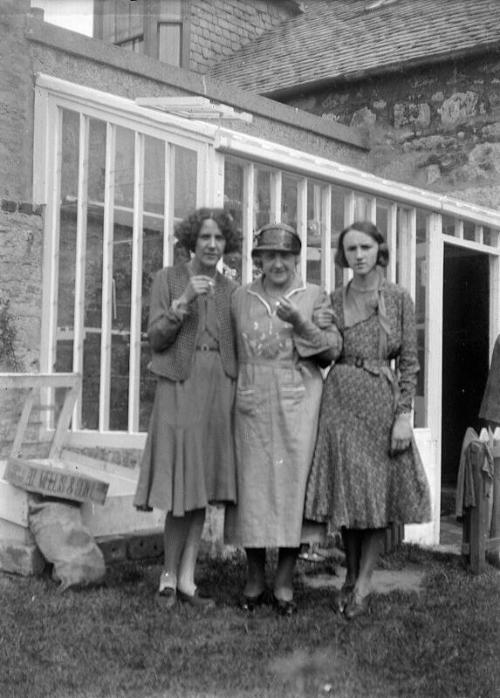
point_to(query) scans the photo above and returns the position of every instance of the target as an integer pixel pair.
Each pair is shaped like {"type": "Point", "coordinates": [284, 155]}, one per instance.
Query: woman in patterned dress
{"type": "Point", "coordinates": [366, 470]}
{"type": "Point", "coordinates": [276, 411]}
{"type": "Point", "coordinates": [188, 460]}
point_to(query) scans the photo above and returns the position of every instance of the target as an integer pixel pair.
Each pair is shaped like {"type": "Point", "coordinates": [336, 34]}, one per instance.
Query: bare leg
{"type": "Point", "coordinates": [283, 580]}
{"type": "Point", "coordinates": [176, 531]}
{"type": "Point", "coordinates": [187, 562]}
{"type": "Point", "coordinates": [256, 563]}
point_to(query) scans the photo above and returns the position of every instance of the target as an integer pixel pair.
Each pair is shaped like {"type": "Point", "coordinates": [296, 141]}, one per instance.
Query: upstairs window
{"type": "Point", "coordinates": [156, 28]}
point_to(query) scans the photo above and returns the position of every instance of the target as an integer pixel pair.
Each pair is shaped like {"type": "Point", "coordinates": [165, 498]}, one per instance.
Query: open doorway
{"type": "Point", "coordinates": [465, 355]}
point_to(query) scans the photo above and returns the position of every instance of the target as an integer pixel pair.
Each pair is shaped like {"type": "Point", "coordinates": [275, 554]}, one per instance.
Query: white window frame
{"type": "Point", "coordinates": [214, 143]}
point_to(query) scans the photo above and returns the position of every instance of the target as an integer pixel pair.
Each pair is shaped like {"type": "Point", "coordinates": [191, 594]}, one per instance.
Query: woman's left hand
{"type": "Point", "coordinates": [401, 434]}
{"type": "Point", "coordinates": [288, 311]}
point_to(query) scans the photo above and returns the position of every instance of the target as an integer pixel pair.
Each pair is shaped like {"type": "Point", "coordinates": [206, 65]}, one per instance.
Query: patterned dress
{"type": "Point", "coordinates": [354, 481]}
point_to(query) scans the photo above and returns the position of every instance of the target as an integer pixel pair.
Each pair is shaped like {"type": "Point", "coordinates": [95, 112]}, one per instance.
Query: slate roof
{"type": "Point", "coordinates": [344, 40]}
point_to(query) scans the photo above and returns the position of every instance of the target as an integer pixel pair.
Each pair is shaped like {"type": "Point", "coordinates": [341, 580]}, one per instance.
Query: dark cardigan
{"type": "Point", "coordinates": [172, 340]}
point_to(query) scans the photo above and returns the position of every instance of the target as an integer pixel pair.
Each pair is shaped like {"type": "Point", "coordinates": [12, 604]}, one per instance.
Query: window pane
{"type": "Point", "coordinates": [339, 195]}
{"type": "Point", "coordinates": [233, 197]}
{"type": "Point", "coordinates": [169, 42]}
{"type": "Point", "coordinates": [67, 241]}
{"type": "Point", "coordinates": [152, 261]}
{"type": "Point", "coordinates": [93, 277]}
{"type": "Point", "coordinates": [289, 200]}
{"type": "Point", "coordinates": [314, 231]}
{"type": "Point", "coordinates": [262, 203]}
{"type": "Point", "coordinates": [122, 278]}
{"type": "Point", "coordinates": [185, 181]}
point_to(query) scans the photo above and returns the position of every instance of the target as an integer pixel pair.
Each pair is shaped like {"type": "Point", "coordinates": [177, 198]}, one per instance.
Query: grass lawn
{"type": "Point", "coordinates": [116, 640]}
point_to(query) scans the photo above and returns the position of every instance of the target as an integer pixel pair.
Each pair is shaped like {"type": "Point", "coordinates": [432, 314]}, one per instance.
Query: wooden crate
{"type": "Point", "coordinates": [51, 476]}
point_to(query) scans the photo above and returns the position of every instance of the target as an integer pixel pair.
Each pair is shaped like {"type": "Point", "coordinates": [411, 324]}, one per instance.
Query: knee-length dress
{"type": "Point", "coordinates": [188, 460]}
{"type": "Point", "coordinates": [354, 481]}
{"type": "Point", "coordinates": [276, 411]}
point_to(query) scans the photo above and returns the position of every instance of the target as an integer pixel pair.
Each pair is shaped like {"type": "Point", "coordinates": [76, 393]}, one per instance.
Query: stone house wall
{"type": "Point", "coordinates": [435, 127]}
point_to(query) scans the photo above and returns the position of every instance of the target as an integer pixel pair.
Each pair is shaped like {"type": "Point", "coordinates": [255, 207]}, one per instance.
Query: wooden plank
{"type": "Point", "coordinates": [63, 420]}
{"type": "Point", "coordinates": [119, 517]}
{"type": "Point", "coordinates": [38, 380]}
{"type": "Point", "coordinates": [23, 422]}
{"type": "Point", "coordinates": [64, 483]}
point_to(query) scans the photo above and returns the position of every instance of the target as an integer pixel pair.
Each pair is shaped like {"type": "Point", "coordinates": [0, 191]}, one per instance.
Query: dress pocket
{"type": "Point", "coordinates": [246, 401]}
{"type": "Point", "coordinates": [292, 395]}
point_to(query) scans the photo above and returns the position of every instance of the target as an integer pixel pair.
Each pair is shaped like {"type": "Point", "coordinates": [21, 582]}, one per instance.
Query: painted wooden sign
{"type": "Point", "coordinates": [55, 481]}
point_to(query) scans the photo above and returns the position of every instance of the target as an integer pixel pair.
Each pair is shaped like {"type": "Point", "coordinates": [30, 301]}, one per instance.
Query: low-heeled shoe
{"type": "Point", "coordinates": [195, 599]}
{"type": "Point", "coordinates": [250, 603]}
{"type": "Point", "coordinates": [283, 607]}
{"type": "Point", "coordinates": [167, 597]}
{"type": "Point", "coordinates": [356, 606]}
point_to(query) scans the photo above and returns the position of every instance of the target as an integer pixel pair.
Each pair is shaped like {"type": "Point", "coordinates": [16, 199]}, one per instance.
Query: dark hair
{"type": "Point", "coordinates": [187, 230]}
{"type": "Point", "coordinates": [369, 229]}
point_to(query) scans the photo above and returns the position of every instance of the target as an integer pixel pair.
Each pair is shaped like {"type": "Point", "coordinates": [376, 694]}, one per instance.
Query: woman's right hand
{"type": "Point", "coordinates": [323, 318]}
{"type": "Point", "coordinates": [199, 285]}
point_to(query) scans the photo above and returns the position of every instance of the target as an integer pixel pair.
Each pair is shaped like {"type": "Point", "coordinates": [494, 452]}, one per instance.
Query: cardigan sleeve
{"type": "Point", "coordinates": [408, 366]}
{"type": "Point", "coordinates": [310, 340]}
{"type": "Point", "coordinates": [164, 323]}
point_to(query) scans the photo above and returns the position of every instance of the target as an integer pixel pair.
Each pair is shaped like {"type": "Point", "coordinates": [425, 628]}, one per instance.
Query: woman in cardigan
{"type": "Point", "coordinates": [366, 471]}
{"type": "Point", "coordinates": [188, 460]}
{"type": "Point", "coordinates": [276, 410]}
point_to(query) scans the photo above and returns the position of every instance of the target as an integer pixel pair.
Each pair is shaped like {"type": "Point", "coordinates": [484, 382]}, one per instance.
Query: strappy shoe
{"type": "Point", "coordinates": [167, 594]}
{"type": "Point", "coordinates": [167, 597]}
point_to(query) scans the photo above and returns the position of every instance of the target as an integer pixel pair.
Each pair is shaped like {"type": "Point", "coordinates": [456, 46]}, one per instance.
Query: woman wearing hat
{"type": "Point", "coordinates": [188, 460]}
{"type": "Point", "coordinates": [277, 403]}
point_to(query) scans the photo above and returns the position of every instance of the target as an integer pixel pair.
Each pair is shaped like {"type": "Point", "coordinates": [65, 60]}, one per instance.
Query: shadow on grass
{"type": "Point", "coordinates": [116, 640]}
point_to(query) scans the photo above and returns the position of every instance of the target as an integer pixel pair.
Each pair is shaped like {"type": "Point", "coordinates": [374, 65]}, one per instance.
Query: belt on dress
{"type": "Point", "coordinates": [370, 365]}
{"type": "Point", "coordinates": [207, 347]}
{"type": "Point", "coordinates": [377, 367]}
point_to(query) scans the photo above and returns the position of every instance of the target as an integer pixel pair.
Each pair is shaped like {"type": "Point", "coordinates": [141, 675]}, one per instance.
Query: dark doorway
{"type": "Point", "coordinates": [465, 350]}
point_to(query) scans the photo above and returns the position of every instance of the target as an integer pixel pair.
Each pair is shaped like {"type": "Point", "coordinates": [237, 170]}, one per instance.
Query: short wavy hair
{"type": "Point", "coordinates": [187, 230]}
{"type": "Point", "coordinates": [369, 229]}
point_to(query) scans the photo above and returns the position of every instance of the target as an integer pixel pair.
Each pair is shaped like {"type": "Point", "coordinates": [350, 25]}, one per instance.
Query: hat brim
{"type": "Point", "coordinates": [273, 248]}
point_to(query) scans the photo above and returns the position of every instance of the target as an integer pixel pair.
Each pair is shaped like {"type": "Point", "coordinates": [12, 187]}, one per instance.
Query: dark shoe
{"type": "Point", "coordinates": [284, 608]}
{"type": "Point", "coordinates": [341, 597]}
{"type": "Point", "coordinates": [195, 599]}
{"type": "Point", "coordinates": [356, 606]}
{"type": "Point", "coordinates": [167, 597]}
{"type": "Point", "coordinates": [250, 603]}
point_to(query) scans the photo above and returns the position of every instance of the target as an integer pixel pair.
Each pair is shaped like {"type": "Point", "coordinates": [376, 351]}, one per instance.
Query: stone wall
{"type": "Point", "coordinates": [221, 27]}
{"type": "Point", "coordinates": [16, 100]}
{"type": "Point", "coordinates": [436, 127]}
